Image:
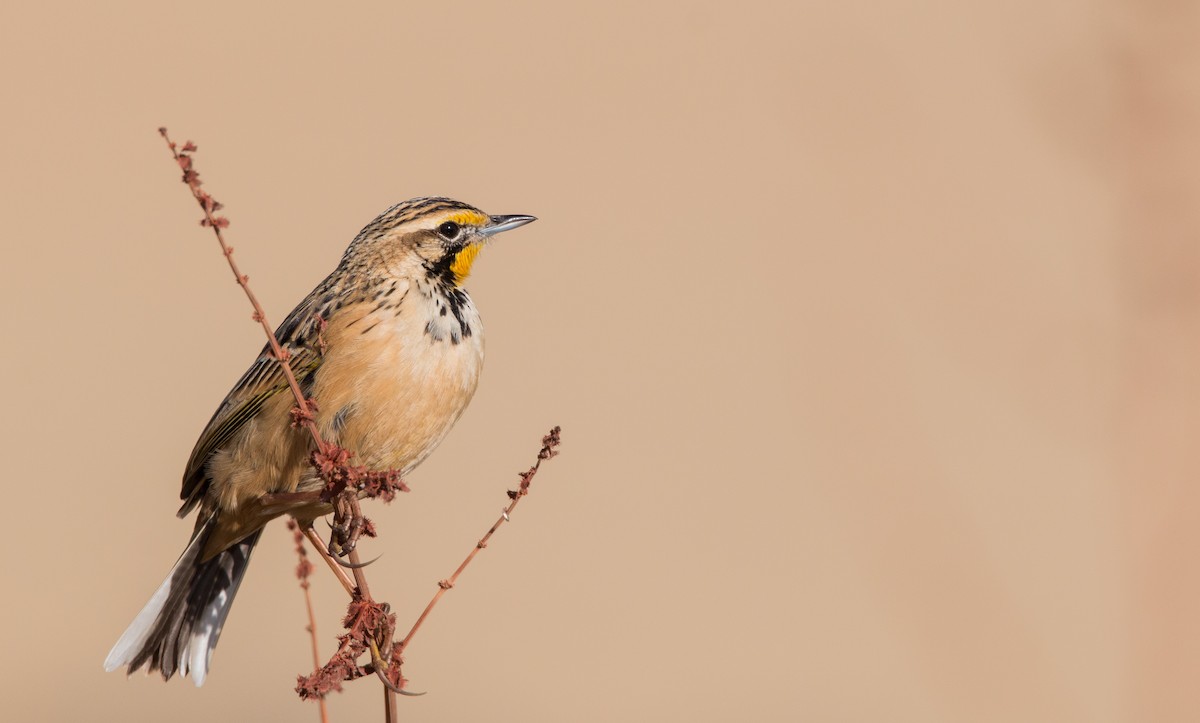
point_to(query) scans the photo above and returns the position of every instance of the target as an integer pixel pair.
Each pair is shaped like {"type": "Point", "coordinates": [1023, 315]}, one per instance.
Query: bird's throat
{"type": "Point", "coordinates": [461, 265]}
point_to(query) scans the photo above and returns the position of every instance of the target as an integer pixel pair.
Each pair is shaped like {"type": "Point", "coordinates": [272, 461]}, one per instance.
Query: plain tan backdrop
{"type": "Point", "coordinates": [872, 329]}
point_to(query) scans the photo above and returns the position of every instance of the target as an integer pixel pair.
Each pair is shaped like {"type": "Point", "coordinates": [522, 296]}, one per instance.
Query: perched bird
{"type": "Point", "coordinates": [389, 345]}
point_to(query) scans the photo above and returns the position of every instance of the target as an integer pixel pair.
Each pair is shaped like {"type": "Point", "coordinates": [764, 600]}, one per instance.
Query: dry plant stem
{"type": "Point", "coordinates": [319, 545]}
{"type": "Point", "coordinates": [445, 585]}
{"type": "Point", "coordinates": [360, 578]}
{"type": "Point", "coordinates": [209, 205]}
{"type": "Point", "coordinates": [549, 444]}
{"type": "Point", "coordinates": [390, 714]}
{"type": "Point", "coordinates": [389, 695]}
{"type": "Point", "coordinates": [312, 629]}
{"type": "Point", "coordinates": [303, 571]}
{"type": "Point", "coordinates": [312, 624]}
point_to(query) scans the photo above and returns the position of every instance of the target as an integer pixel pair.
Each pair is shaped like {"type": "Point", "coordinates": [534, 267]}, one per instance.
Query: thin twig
{"type": "Point", "coordinates": [360, 577]}
{"type": "Point", "coordinates": [320, 546]}
{"type": "Point", "coordinates": [303, 571]}
{"type": "Point", "coordinates": [549, 449]}
{"type": "Point", "coordinates": [389, 695]}
{"type": "Point", "coordinates": [209, 204]}
{"type": "Point", "coordinates": [390, 714]}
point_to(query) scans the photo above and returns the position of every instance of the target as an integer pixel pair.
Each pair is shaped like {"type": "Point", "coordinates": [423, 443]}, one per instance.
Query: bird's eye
{"type": "Point", "coordinates": [448, 230]}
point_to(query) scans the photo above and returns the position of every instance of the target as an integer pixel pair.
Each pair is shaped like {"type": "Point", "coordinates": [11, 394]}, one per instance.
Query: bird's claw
{"type": "Point", "coordinates": [354, 565]}
{"type": "Point", "coordinates": [380, 667]}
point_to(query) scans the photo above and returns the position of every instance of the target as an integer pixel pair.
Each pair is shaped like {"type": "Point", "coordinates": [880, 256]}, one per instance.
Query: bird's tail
{"type": "Point", "coordinates": [179, 627]}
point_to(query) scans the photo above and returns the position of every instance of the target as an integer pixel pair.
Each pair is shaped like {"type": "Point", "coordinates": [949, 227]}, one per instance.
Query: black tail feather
{"type": "Point", "coordinates": [179, 627]}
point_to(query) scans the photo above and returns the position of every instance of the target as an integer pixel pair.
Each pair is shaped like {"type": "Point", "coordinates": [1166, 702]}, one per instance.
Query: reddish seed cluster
{"type": "Point", "coordinates": [192, 178]}
{"type": "Point", "coordinates": [303, 417]}
{"type": "Point", "coordinates": [366, 621]}
{"type": "Point", "coordinates": [332, 466]}
{"type": "Point", "coordinates": [304, 568]}
{"type": "Point", "coordinates": [549, 450]}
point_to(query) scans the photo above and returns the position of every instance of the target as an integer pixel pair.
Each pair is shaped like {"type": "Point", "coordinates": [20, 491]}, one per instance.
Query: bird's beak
{"type": "Point", "coordinates": [504, 223]}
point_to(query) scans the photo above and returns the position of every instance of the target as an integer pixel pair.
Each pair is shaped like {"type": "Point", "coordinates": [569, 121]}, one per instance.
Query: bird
{"type": "Point", "coordinates": [390, 347]}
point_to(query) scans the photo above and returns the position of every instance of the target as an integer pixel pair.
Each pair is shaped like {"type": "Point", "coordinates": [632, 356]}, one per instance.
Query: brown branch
{"type": "Point", "coordinates": [390, 714]}
{"type": "Point", "coordinates": [337, 571]}
{"type": "Point", "coordinates": [389, 689]}
{"type": "Point", "coordinates": [549, 449]}
{"type": "Point", "coordinates": [191, 177]}
{"type": "Point", "coordinates": [303, 571]}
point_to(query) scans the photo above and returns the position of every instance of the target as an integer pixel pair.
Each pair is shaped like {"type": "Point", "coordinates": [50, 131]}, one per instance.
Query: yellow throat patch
{"type": "Point", "coordinates": [463, 260]}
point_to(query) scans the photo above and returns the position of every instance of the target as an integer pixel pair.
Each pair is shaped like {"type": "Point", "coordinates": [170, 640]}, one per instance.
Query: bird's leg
{"type": "Point", "coordinates": [339, 532]}
{"type": "Point", "coordinates": [348, 523]}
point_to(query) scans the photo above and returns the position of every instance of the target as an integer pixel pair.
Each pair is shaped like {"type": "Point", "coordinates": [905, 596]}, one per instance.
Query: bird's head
{"type": "Point", "coordinates": [441, 235]}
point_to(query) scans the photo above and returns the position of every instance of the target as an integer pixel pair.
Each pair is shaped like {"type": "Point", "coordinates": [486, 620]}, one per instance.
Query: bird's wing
{"type": "Point", "coordinates": [263, 380]}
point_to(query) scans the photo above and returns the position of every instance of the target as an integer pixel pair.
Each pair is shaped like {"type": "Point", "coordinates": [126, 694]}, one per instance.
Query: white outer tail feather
{"type": "Point", "coordinates": [195, 654]}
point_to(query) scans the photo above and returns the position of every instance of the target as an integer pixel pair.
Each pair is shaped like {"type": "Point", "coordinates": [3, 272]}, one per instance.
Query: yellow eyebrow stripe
{"type": "Point", "coordinates": [468, 218]}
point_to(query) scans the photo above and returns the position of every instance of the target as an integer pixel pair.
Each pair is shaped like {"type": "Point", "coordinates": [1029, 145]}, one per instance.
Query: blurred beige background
{"type": "Point", "coordinates": [872, 329]}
